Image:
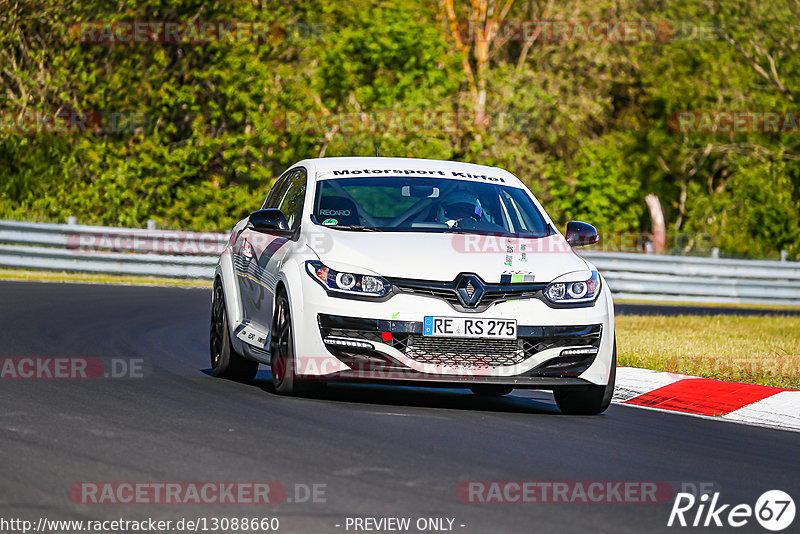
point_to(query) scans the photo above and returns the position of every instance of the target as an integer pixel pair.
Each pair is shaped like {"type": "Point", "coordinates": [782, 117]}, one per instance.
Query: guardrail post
{"type": "Point", "coordinates": [151, 224]}
{"type": "Point", "coordinates": [715, 253]}
{"type": "Point", "coordinates": [72, 220]}
{"type": "Point", "coordinates": [784, 255]}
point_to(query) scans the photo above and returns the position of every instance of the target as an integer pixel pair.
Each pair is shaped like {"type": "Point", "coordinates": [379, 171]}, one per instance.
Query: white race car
{"type": "Point", "coordinates": [412, 272]}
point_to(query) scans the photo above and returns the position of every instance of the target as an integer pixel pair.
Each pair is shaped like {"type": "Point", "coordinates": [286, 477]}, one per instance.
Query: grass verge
{"type": "Point", "coordinates": [729, 305]}
{"type": "Point", "coordinates": [87, 278]}
{"type": "Point", "coordinates": [753, 349]}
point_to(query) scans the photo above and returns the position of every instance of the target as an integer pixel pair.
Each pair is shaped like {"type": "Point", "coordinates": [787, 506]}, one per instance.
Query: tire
{"type": "Point", "coordinates": [491, 390]}
{"type": "Point", "coordinates": [282, 355]}
{"type": "Point", "coordinates": [590, 400]}
{"type": "Point", "coordinates": [225, 361]}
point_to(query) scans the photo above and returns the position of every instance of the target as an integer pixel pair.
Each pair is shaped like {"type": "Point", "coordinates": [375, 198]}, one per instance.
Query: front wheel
{"type": "Point", "coordinates": [282, 359]}
{"type": "Point", "coordinates": [225, 362]}
{"type": "Point", "coordinates": [590, 400]}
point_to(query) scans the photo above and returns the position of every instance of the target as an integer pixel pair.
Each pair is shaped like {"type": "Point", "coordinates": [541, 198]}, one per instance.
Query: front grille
{"type": "Point", "coordinates": [566, 366]}
{"type": "Point", "coordinates": [510, 294]}
{"type": "Point", "coordinates": [589, 337]}
{"type": "Point", "coordinates": [461, 353]}
{"type": "Point", "coordinates": [465, 353]}
{"type": "Point", "coordinates": [494, 293]}
{"type": "Point", "coordinates": [443, 293]}
{"type": "Point", "coordinates": [366, 335]}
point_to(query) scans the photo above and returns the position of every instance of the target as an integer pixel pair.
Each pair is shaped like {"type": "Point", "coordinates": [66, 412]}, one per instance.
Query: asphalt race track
{"type": "Point", "coordinates": [379, 451]}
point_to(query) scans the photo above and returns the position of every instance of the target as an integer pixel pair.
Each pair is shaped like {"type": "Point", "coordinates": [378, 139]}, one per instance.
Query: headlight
{"type": "Point", "coordinates": [348, 283]}
{"type": "Point", "coordinates": [573, 292]}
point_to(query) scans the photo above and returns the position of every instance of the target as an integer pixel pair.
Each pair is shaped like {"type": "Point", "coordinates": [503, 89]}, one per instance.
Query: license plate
{"type": "Point", "coordinates": [470, 327]}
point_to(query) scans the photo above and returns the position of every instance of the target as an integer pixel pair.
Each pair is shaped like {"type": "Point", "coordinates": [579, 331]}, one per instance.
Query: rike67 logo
{"type": "Point", "coordinates": [774, 510]}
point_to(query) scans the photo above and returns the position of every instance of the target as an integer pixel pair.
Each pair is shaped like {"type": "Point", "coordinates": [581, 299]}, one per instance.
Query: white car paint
{"type": "Point", "coordinates": [419, 256]}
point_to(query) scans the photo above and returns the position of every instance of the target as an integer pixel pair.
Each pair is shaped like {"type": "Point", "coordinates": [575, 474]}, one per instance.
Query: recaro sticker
{"type": "Point", "coordinates": [345, 213]}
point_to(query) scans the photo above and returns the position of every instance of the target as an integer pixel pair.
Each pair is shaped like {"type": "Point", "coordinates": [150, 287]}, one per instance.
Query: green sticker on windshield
{"type": "Point", "coordinates": [330, 222]}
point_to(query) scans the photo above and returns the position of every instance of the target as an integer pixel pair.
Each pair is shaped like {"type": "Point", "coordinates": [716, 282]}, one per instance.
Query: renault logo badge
{"type": "Point", "coordinates": [470, 290]}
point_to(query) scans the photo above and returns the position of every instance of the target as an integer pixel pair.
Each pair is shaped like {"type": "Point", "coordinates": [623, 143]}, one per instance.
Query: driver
{"type": "Point", "coordinates": [458, 208]}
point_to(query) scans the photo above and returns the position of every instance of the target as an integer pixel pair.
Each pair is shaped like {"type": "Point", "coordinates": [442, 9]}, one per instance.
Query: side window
{"type": "Point", "coordinates": [292, 202]}
{"type": "Point", "coordinates": [521, 219]}
{"type": "Point", "coordinates": [276, 192]}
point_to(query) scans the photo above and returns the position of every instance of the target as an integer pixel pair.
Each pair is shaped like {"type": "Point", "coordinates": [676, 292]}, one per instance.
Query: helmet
{"type": "Point", "coordinates": [460, 205]}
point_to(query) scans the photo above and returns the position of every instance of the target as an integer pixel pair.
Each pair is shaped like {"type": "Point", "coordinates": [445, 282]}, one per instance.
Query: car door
{"type": "Point", "coordinates": [260, 256]}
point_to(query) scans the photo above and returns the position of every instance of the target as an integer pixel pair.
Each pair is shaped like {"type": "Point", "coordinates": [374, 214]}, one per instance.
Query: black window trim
{"type": "Point", "coordinates": [292, 233]}
{"type": "Point", "coordinates": [298, 220]}
{"type": "Point", "coordinates": [277, 185]}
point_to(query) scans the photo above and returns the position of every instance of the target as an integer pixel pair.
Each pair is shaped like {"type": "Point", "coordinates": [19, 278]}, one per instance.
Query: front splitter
{"type": "Point", "coordinates": [402, 377]}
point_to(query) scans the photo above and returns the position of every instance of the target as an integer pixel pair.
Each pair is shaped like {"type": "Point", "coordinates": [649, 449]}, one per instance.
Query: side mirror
{"type": "Point", "coordinates": [580, 234]}
{"type": "Point", "coordinates": [268, 220]}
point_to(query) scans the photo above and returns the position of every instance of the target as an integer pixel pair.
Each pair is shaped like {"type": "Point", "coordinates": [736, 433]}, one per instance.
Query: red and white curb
{"type": "Point", "coordinates": [729, 401]}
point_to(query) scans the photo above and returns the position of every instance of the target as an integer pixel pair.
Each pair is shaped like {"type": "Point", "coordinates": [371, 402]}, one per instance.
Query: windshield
{"type": "Point", "coordinates": [410, 204]}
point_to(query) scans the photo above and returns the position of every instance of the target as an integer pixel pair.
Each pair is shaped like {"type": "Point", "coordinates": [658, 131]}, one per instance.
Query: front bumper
{"type": "Point", "coordinates": [341, 339]}
{"type": "Point", "coordinates": [439, 381]}
{"type": "Point", "coordinates": [380, 345]}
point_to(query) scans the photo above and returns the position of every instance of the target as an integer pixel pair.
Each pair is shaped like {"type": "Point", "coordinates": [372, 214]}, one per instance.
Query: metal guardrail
{"type": "Point", "coordinates": [53, 259]}
{"type": "Point", "coordinates": [691, 279]}
{"type": "Point", "coordinates": [162, 253]}
{"type": "Point", "coordinates": [80, 248]}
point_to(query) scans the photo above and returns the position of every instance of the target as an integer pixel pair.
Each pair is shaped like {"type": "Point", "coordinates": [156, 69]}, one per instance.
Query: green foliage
{"type": "Point", "coordinates": [759, 213]}
{"type": "Point", "coordinates": [597, 189]}
{"type": "Point", "coordinates": [386, 54]}
{"type": "Point", "coordinates": [587, 125]}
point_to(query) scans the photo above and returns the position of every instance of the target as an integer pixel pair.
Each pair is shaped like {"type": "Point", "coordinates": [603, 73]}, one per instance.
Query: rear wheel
{"type": "Point", "coordinates": [282, 359]}
{"type": "Point", "coordinates": [225, 362]}
{"type": "Point", "coordinates": [590, 400]}
{"type": "Point", "coordinates": [491, 390]}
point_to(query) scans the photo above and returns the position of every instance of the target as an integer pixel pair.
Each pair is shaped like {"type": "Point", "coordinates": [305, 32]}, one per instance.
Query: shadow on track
{"type": "Point", "coordinates": [519, 401]}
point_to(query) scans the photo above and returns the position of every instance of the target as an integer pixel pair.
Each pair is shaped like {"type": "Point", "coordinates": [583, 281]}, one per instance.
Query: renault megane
{"type": "Point", "coordinates": [416, 272]}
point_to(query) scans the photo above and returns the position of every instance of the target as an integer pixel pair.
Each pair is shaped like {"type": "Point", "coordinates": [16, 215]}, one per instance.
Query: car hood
{"type": "Point", "coordinates": [441, 257]}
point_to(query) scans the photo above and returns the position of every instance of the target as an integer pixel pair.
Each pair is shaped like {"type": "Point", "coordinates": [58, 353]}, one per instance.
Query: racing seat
{"type": "Point", "coordinates": [342, 209]}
